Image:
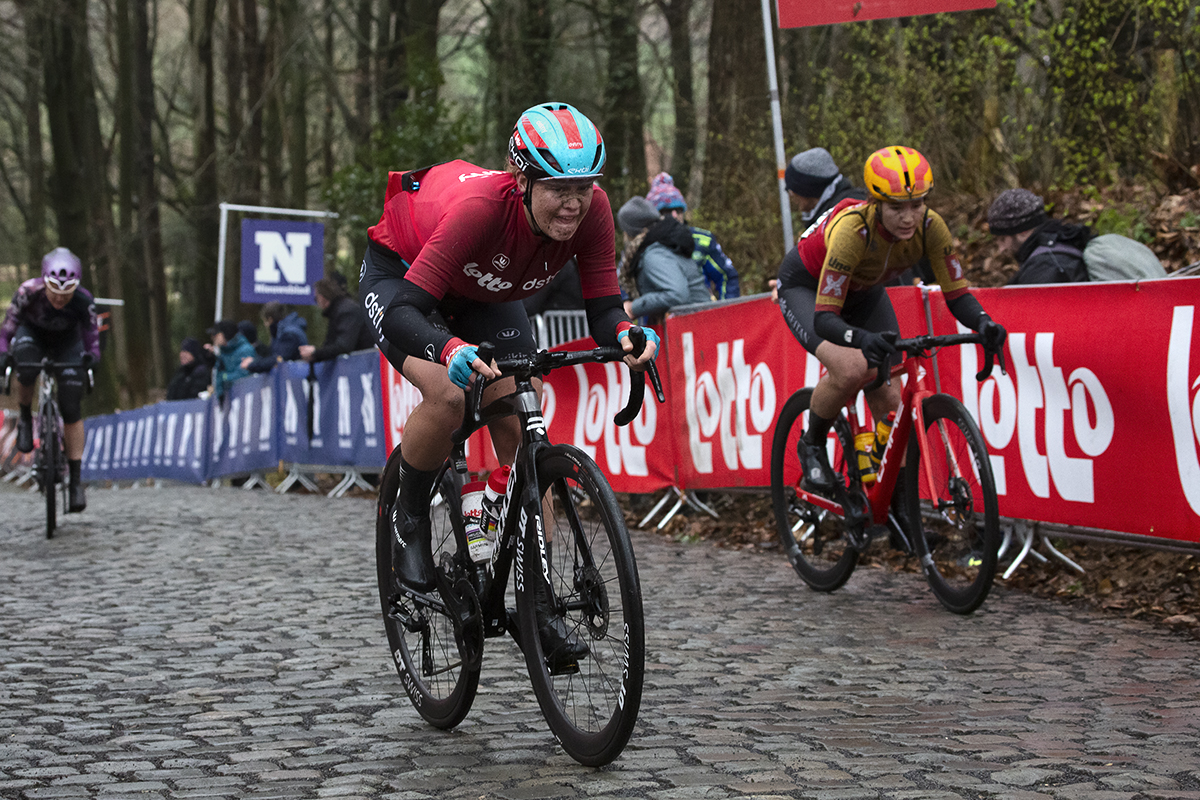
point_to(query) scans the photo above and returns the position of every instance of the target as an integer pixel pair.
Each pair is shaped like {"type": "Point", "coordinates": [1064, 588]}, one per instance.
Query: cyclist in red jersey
{"type": "Point", "coordinates": [831, 291]}
{"type": "Point", "coordinates": [455, 251]}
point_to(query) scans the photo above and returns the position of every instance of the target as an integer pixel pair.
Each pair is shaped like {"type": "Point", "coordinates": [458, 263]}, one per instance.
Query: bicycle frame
{"type": "Point", "coordinates": [491, 582]}
{"type": "Point", "coordinates": [909, 416]}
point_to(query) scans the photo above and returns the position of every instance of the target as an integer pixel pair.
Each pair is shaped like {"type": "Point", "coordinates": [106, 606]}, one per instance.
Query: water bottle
{"type": "Point", "coordinates": [472, 509]}
{"type": "Point", "coordinates": [493, 499]}
{"type": "Point", "coordinates": [882, 431]}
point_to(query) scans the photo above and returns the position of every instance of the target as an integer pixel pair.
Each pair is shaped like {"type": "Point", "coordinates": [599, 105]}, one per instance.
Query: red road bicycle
{"type": "Point", "coordinates": [949, 493]}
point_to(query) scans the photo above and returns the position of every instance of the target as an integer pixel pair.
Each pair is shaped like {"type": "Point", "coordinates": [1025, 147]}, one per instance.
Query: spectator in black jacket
{"type": "Point", "coordinates": [815, 184]}
{"type": "Point", "coordinates": [349, 327]}
{"type": "Point", "coordinates": [288, 335]}
{"type": "Point", "coordinates": [194, 373]}
{"type": "Point", "coordinates": [1047, 250]}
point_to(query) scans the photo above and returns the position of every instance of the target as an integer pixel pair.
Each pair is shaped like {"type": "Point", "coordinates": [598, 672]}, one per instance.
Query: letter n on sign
{"type": "Point", "coordinates": [281, 260]}
{"type": "Point", "coordinates": [803, 13]}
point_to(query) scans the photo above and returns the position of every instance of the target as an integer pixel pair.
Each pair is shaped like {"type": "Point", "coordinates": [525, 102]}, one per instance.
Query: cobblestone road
{"type": "Point", "coordinates": [194, 643]}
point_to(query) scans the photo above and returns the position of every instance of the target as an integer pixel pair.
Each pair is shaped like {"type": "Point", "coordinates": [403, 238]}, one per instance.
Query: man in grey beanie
{"type": "Point", "coordinates": [1047, 250]}
{"type": "Point", "coordinates": [816, 185]}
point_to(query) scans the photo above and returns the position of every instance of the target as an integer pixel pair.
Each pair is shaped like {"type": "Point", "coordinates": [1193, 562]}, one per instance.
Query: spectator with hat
{"type": "Point", "coordinates": [289, 332]}
{"type": "Point", "coordinates": [657, 271]}
{"type": "Point", "coordinates": [230, 347]}
{"type": "Point", "coordinates": [194, 372]}
{"type": "Point", "coordinates": [719, 273]}
{"type": "Point", "coordinates": [815, 184]}
{"type": "Point", "coordinates": [1047, 250]}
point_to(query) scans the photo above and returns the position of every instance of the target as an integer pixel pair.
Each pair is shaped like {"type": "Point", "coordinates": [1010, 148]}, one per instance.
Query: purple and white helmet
{"type": "Point", "coordinates": [61, 270]}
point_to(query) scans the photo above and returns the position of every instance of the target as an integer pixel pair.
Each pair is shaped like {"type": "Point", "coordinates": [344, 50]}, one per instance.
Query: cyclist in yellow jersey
{"type": "Point", "coordinates": [831, 291]}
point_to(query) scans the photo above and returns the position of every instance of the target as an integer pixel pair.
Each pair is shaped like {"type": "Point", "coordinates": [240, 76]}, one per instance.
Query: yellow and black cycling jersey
{"type": "Point", "coordinates": [849, 250]}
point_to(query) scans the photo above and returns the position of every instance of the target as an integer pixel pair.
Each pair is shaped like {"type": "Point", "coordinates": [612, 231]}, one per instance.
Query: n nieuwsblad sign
{"type": "Point", "coordinates": [281, 260]}
{"type": "Point", "coordinates": [803, 13]}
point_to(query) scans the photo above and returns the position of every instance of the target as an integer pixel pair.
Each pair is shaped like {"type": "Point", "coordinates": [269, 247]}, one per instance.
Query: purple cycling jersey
{"type": "Point", "coordinates": [30, 307]}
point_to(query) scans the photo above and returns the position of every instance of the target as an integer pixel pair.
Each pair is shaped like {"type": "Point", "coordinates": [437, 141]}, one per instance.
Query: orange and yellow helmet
{"type": "Point", "coordinates": [897, 174]}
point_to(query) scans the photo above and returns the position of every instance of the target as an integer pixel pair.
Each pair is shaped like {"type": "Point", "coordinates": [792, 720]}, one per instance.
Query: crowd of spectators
{"type": "Point", "coordinates": [234, 350]}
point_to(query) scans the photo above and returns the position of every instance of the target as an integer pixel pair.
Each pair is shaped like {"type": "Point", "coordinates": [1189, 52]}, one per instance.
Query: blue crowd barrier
{"type": "Point", "coordinates": [262, 421]}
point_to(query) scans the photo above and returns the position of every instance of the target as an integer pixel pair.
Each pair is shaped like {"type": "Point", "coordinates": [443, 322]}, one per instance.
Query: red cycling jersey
{"type": "Point", "coordinates": [463, 232]}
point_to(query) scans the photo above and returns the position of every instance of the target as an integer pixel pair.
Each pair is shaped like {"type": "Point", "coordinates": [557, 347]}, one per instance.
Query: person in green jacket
{"type": "Point", "coordinates": [229, 347]}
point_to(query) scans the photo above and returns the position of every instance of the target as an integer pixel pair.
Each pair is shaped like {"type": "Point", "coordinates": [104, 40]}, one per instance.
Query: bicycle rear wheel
{"type": "Point", "coordinates": [957, 518]}
{"type": "Point", "coordinates": [815, 541]}
{"type": "Point", "coordinates": [440, 682]}
{"type": "Point", "coordinates": [594, 587]}
{"type": "Point", "coordinates": [48, 456]}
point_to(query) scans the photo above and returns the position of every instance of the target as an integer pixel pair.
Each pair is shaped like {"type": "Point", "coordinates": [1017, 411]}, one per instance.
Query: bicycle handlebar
{"type": "Point", "coordinates": [922, 345]}
{"type": "Point", "coordinates": [46, 365]}
{"type": "Point", "coordinates": [542, 362]}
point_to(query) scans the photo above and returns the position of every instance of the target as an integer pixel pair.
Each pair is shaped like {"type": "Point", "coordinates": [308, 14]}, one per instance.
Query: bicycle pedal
{"type": "Point", "coordinates": [570, 668]}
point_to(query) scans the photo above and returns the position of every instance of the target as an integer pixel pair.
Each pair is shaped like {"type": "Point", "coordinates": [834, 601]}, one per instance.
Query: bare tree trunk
{"type": "Point", "coordinates": [625, 174]}
{"type": "Point", "coordinates": [130, 268]}
{"type": "Point", "coordinates": [252, 45]}
{"type": "Point", "coordinates": [205, 212]}
{"type": "Point", "coordinates": [739, 170]}
{"type": "Point", "coordinates": [678, 15]}
{"type": "Point", "coordinates": [391, 88]}
{"type": "Point", "coordinates": [149, 214]}
{"type": "Point", "coordinates": [423, 72]}
{"type": "Point", "coordinates": [273, 112]}
{"type": "Point", "coordinates": [520, 44]}
{"type": "Point", "coordinates": [360, 130]}
{"type": "Point", "coordinates": [35, 165]}
{"type": "Point", "coordinates": [297, 90]}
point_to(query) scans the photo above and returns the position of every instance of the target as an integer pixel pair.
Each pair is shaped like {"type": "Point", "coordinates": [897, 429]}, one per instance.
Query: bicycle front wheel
{"type": "Point", "coordinates": [440, 682]}
{"type": "Point", "coordinates": [815, 540]}
{"type": "Point", "coordinates": [951, 502]}
{"type": "Point", "coordinates": [48, 456]}
{"type": "Point", "coordinates": [592, 705]}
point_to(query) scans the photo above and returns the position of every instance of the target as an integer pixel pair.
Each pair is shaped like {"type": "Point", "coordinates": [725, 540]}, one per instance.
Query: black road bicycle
{"type": "Point", "coordinates": [50, 458]}
{"type": "Point", "coordinates": [561, 531]}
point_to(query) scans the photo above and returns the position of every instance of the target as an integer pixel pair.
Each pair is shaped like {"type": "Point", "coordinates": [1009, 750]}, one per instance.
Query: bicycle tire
{"type": "Point", "coordinates": [957, 537]}
{"type": "Point", "coordinates": [594, 579]}
{"type": "Point", "coordinates": [48, 469]}
{"type": "Point", "coordinates": [427, 655]}
{"type": "Point", "coordinates": [822, 555]}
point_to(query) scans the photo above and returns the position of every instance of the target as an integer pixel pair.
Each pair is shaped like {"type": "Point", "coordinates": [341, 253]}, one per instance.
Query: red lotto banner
{"type": "Point", "coordinates": [802, 13]}
{"type": "Point", "coordinates": [1096, 424]}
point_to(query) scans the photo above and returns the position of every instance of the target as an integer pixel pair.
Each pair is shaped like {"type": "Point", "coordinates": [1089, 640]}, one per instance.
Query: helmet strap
{"type": "Point", "coordinates": [528, 200]}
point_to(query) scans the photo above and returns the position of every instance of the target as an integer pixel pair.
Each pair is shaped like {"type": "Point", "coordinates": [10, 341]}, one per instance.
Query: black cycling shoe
{"type": "Point", "coordinates": [561, 647]}
{"type": "Point", "coordinates": [818, 475]}
{"type": "Point", "coordinates": [24, 435]}
{"type": "Point", "coordinates": [78, 498]}
{"type": "Point", "coordinates": [412, 555]}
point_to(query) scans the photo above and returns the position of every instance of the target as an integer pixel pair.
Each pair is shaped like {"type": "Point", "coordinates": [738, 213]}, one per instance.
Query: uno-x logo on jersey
{"type": "Point", "coordinates": [834, 284]}
{"type": "Point", "coordinates": [501, 261]}
{"type": "Point", "coordinates": [486, 279]}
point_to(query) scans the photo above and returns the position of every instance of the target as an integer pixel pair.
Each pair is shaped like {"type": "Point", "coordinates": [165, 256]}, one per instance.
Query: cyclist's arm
{"type": "Point", "coordinates": [406, 324]}
{"type": "Point", "coordinates": [606, 317]}
{"type": "Point", "coordinates": [12, 317]}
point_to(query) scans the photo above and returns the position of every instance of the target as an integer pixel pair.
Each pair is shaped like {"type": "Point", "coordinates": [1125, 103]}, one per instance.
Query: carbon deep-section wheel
{"type": "Point", "coordinates": [814, 539]}
{"type": "Point", "coordinates": [592, 702]}
{"type": "Point", "coordinates": [440, 682]}
{"type": "Point", "coordinates": [958, 530]}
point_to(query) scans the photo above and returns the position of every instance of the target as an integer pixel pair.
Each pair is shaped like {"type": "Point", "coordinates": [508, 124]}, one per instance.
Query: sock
{"type": "Point", "coordinates": [818, 428]}
{"type": "Point", "coordinates": [73, 467]}
{"type": "Point", "coordinates": [416, 485]}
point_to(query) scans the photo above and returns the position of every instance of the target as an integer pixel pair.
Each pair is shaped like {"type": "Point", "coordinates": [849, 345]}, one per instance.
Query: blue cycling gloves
{"type": "Point", "coordinates": [651, 336]}
{"type": "Point", "coordinates": [459, 365]}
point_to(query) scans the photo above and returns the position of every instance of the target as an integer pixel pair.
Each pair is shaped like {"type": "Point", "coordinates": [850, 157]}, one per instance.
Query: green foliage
{"type": "Point", "coordinates": [1125, 220]}
{"type": "Point", "coordinates": [421, 135]}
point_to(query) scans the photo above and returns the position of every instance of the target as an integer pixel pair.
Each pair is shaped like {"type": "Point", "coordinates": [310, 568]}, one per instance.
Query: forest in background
{"type": "Point", "coordinates": [124, 123]}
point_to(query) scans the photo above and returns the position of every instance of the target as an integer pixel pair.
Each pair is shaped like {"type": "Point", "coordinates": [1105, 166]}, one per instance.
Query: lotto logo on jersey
{"type": "Point", "coordinates": [486, 279]}
{"type": "Point", "coordinates": [281, 260]}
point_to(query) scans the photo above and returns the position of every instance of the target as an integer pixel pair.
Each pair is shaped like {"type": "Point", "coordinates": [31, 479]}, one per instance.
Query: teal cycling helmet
{"type": "Point", "coordinates": [554, 141]}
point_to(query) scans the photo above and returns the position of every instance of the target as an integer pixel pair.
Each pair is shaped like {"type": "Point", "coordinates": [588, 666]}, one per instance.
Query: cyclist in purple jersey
{"type": "Point", "coordinates": [53, 316]}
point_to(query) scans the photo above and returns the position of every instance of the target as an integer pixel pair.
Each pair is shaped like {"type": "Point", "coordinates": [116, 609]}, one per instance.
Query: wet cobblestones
{"type": "Point", "coordinates": [198, 643]}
